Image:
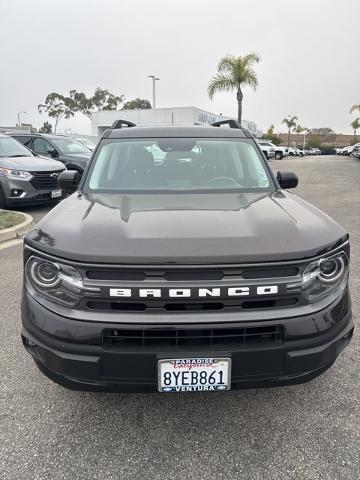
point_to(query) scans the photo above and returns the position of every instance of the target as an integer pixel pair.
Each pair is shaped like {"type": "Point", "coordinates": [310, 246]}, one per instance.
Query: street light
{"type": "Point", "coordinates": [18, 115]}
{"type": "Point", "coordinates": [154, 79]}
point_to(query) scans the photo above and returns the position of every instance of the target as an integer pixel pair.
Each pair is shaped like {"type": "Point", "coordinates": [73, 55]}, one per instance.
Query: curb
{"type": "Point", "coordinates": [18, 231]}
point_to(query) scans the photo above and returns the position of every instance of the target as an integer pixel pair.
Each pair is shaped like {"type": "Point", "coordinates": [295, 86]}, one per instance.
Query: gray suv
{"type": "Point", "coordinates": [25, 177]}
{"type": "Point", "coordinates": [73, 154]}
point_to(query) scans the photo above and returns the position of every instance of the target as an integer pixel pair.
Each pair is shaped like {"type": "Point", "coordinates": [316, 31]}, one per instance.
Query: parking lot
{"type": "Point", "coordinates": [308, 431]}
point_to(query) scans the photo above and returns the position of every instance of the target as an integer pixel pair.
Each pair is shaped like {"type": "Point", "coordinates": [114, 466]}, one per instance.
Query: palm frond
{"type": "Point", "coordinates": [226, 63]}
{"type": "Point", "coordinates": [250, 59]}
{"type": "Point", "coordinates": [354, 108]}
{"type": "Point", "coordinates": [220, 83]}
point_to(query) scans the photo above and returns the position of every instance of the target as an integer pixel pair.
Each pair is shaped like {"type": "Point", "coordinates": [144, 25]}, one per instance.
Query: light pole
{"type": "Point", "coordinates": [18, 115]}
{"type": "Point", "coordinates": [154, 79]}
{"type": "Point", "coordinates": [305, 133]}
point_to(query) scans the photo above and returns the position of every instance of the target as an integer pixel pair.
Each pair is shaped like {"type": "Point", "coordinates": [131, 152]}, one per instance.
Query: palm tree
{"type": "Point", "coordinates": [355, 124]}
{"type": "Point", "coordinates": [290, 122]}
{"type": "Point", "coordinates": [354, 108]}
{"type": "Point", "coordinates": [234, 73]}
{"type": "Point", "coordinates": [298, 129]}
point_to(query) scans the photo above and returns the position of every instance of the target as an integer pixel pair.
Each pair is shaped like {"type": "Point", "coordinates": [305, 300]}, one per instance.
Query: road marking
{"type": "Point", "coordinates": [11, 243]}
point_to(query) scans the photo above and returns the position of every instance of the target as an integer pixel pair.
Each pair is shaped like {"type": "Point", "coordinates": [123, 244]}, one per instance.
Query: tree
{"type": "Point", "coordinates": [138, 103]}
{"type": "Point", "coordinates": [319, 136]}
{"type": "Point", "coordinates": [101, 100]}
{"type": "Point", "coordinates": [234, 73]}
{"type": "Point", "coordinates": [270, 135]}
{"type": "Point", "coordinates": [290, 122]}
{"type": "Point", "coordinates": [355, 124]}
{"type": "Point", "coordinates": [298, 129]}
{"type": "Point", "coordinates": [57, 107]}
{"type": "Point", "coordinates": [354, 108]}
{"type": "Point", "coordinates": [46, 128]}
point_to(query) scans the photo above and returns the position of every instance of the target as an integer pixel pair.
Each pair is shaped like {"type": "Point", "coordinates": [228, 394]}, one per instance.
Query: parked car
{"type": "Point", "coordinates": [24, 177]}
{"type": "Point", "coordinates": [317, 151]}
{"type": "Point", "coordinates": [346, 151]}
{"type": "Point", "coordinates": [73, 154]}
{"type": "Point", "coordinates": [267, 150]}
{"type": "Point", "coordinates": [356, 151]}
{"type": "Point", "coordinates": [197, 273]}
{"type": "Point", "coordinates": [89, 143]}
{"type": "Point", "coordinates": [280, 152]}
{"type": "Point", "coordinates": [292, 152]}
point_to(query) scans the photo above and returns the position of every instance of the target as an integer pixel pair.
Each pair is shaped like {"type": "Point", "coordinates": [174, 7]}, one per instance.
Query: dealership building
{"type": "Point", "coordinates": [100, 121]}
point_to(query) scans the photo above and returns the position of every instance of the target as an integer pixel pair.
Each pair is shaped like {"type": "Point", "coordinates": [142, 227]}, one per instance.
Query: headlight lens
{"type": "Point", "coordinates": [15, 173]}
{"type": "Point", "coordinates": [55, 281]}
{"type": "Point", "coordinates": [322, 277]}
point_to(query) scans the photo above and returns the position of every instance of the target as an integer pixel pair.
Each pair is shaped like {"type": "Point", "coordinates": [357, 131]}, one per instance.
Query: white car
{"type": "Point", "coordinates": [347, 150]}
{"type": "Point", "coordinates": [293, 152]}
{"type": "Point", "coordinates": [267, 150]}
{"type": "Point", "coordinates": [355, 150]}
{"type": "Point", "coordinates": [280, 152]}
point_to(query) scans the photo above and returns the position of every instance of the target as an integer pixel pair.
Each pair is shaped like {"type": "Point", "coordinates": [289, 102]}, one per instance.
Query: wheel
{"type": "Point", "coordinates": [278, 155]}
{"type": "Point", "coordinates": [2, 199]}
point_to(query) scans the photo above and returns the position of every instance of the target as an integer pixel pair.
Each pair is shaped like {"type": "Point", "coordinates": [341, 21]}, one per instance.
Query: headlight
{"type": "Point", "coordinates": [324, 276]}
{"type": "Point", "coordinates": [55, 281]}
{"type": "Point", "coordinates": [14, 173]}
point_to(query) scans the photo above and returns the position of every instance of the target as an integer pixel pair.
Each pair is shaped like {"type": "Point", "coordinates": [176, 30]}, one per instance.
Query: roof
{"type": "Point", "coordinates": [175, 131]}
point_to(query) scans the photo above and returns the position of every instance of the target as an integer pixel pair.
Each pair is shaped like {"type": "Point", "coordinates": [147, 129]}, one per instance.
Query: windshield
{"type": "Point", "coordinates": [69, 145]}
{"type": "Point", "coordinates": [9, 147]}
{"type": "Point", "coordinates": [90, 144]}
{"type": "Point", "coordinates": [178, 164]}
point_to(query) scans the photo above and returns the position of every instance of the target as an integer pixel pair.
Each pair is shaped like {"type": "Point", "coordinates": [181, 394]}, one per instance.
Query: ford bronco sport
{"type": "Point", "coordinates": [193, 271]}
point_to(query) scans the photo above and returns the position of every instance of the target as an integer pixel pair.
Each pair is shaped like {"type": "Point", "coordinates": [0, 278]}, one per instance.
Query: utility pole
{"type": "Point", "coordinates": [18, 115]}
{"type": "Point", "coordinates": [154, 79]}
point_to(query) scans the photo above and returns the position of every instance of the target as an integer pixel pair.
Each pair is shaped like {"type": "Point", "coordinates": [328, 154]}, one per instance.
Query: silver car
{"type": "Point", "coordinates": [25, 177]}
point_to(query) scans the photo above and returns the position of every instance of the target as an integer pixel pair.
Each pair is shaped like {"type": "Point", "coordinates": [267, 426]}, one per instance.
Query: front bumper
{"type": "Point", "coordinates": [71, 352]}
{"type": "Point", "coordinates": [27, 193]}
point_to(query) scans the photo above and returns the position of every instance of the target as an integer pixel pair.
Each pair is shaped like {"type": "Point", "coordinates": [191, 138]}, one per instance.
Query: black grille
{"type": "Point", "coordinates": [166, 277]}
{"type": "Point", "coordinates": [190, 274]}
{"type": "Point", "coordinates": [190, 306]}
{"type": "Point", "coordinates": [44, 180]}
{"type": "Point", "coordinates": [185, 337]}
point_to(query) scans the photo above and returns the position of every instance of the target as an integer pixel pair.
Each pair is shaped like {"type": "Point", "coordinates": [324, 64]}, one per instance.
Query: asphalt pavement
{"type": "Point", "coordinates": [310, 431]}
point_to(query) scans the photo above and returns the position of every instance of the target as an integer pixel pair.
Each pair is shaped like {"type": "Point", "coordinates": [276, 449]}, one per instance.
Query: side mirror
{"type": "Point", "coordinates": [53, 153]}
{"type": "Point", "coordinates": [287, 179]}
{"type": "Point", "coordinates": [69, 180]}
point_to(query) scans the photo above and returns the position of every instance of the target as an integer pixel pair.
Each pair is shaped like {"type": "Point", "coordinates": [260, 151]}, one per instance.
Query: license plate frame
{"type": "Point", "coordinates": [56, 193]}
{"type": "Point", "coordinates": [196, 364]}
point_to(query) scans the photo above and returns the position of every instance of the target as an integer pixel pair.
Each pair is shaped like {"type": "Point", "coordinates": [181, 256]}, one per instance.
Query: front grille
{"type": "Point", "coordinates": [191, 306]}
{"type": "Point", "coordinates": [190, 274]}
{"type": "Point", "coordinates": [186, 337]}
{"type": "Point", "coordinates": [163, 278]}
{"type": "Point", "coordinates": [44, 180]}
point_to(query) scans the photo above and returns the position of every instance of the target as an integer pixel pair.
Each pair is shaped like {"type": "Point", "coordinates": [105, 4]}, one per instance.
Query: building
{"type": "Point", "coordinates": [162, 117]}
{"type": "Point", "coordinates": [23, 129]}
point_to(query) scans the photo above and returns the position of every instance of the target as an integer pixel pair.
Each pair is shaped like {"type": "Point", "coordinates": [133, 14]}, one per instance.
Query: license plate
{"type": "Point", "coordinates": [194, 374]}
{"type": "Point", "coordinates": [56, 193]}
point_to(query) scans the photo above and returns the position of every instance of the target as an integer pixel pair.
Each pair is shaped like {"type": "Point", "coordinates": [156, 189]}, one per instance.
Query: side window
{"type": "Point", "coordinates": [41, 146]}
{"type": "Point", "coordinates": [25, 141]}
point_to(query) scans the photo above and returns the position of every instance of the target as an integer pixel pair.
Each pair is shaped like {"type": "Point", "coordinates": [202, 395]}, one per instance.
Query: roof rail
{"type": "Point", "coordinates": [122, 124]}
{"type": "Point", "coordinates": [231, 122]}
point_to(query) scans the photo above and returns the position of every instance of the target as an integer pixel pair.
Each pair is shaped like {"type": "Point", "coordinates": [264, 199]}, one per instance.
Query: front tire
{"type": "Point", "coordinates": [2, 199]}
{"type": "Point", "coordinates": [278, 155]}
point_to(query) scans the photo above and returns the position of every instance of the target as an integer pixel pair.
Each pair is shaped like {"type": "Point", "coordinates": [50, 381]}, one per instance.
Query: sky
{"type": "Point", "coordinates": [309, 56]}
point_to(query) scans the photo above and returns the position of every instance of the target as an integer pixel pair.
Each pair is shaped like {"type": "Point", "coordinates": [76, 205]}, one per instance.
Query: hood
{"type": "Point", "coordinates": [31, 164]}
{"type": "Point", "coordinates": [185, 229]}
